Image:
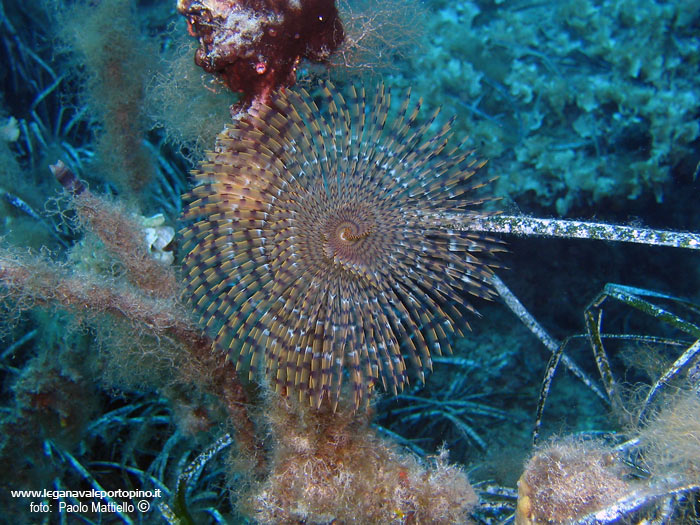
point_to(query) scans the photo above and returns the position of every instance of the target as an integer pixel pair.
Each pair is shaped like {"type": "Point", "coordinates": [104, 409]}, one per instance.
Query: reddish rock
{"type": "Point", "coordinates": [256, 45]}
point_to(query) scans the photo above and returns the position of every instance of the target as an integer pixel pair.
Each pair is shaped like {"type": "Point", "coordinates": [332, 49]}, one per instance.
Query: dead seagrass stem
{"type": "Point", "coordinates": [569, 229]}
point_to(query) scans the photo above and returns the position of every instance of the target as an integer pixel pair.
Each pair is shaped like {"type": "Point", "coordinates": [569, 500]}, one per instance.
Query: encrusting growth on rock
{"type": "Point", "coordinates": [566, 480]}
{"type": "Point", "coordinates": [333, 468]}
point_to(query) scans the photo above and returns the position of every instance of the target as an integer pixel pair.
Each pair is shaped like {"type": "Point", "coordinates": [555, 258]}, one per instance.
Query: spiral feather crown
{"type": "Point", "coordinates": [309, 254]}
